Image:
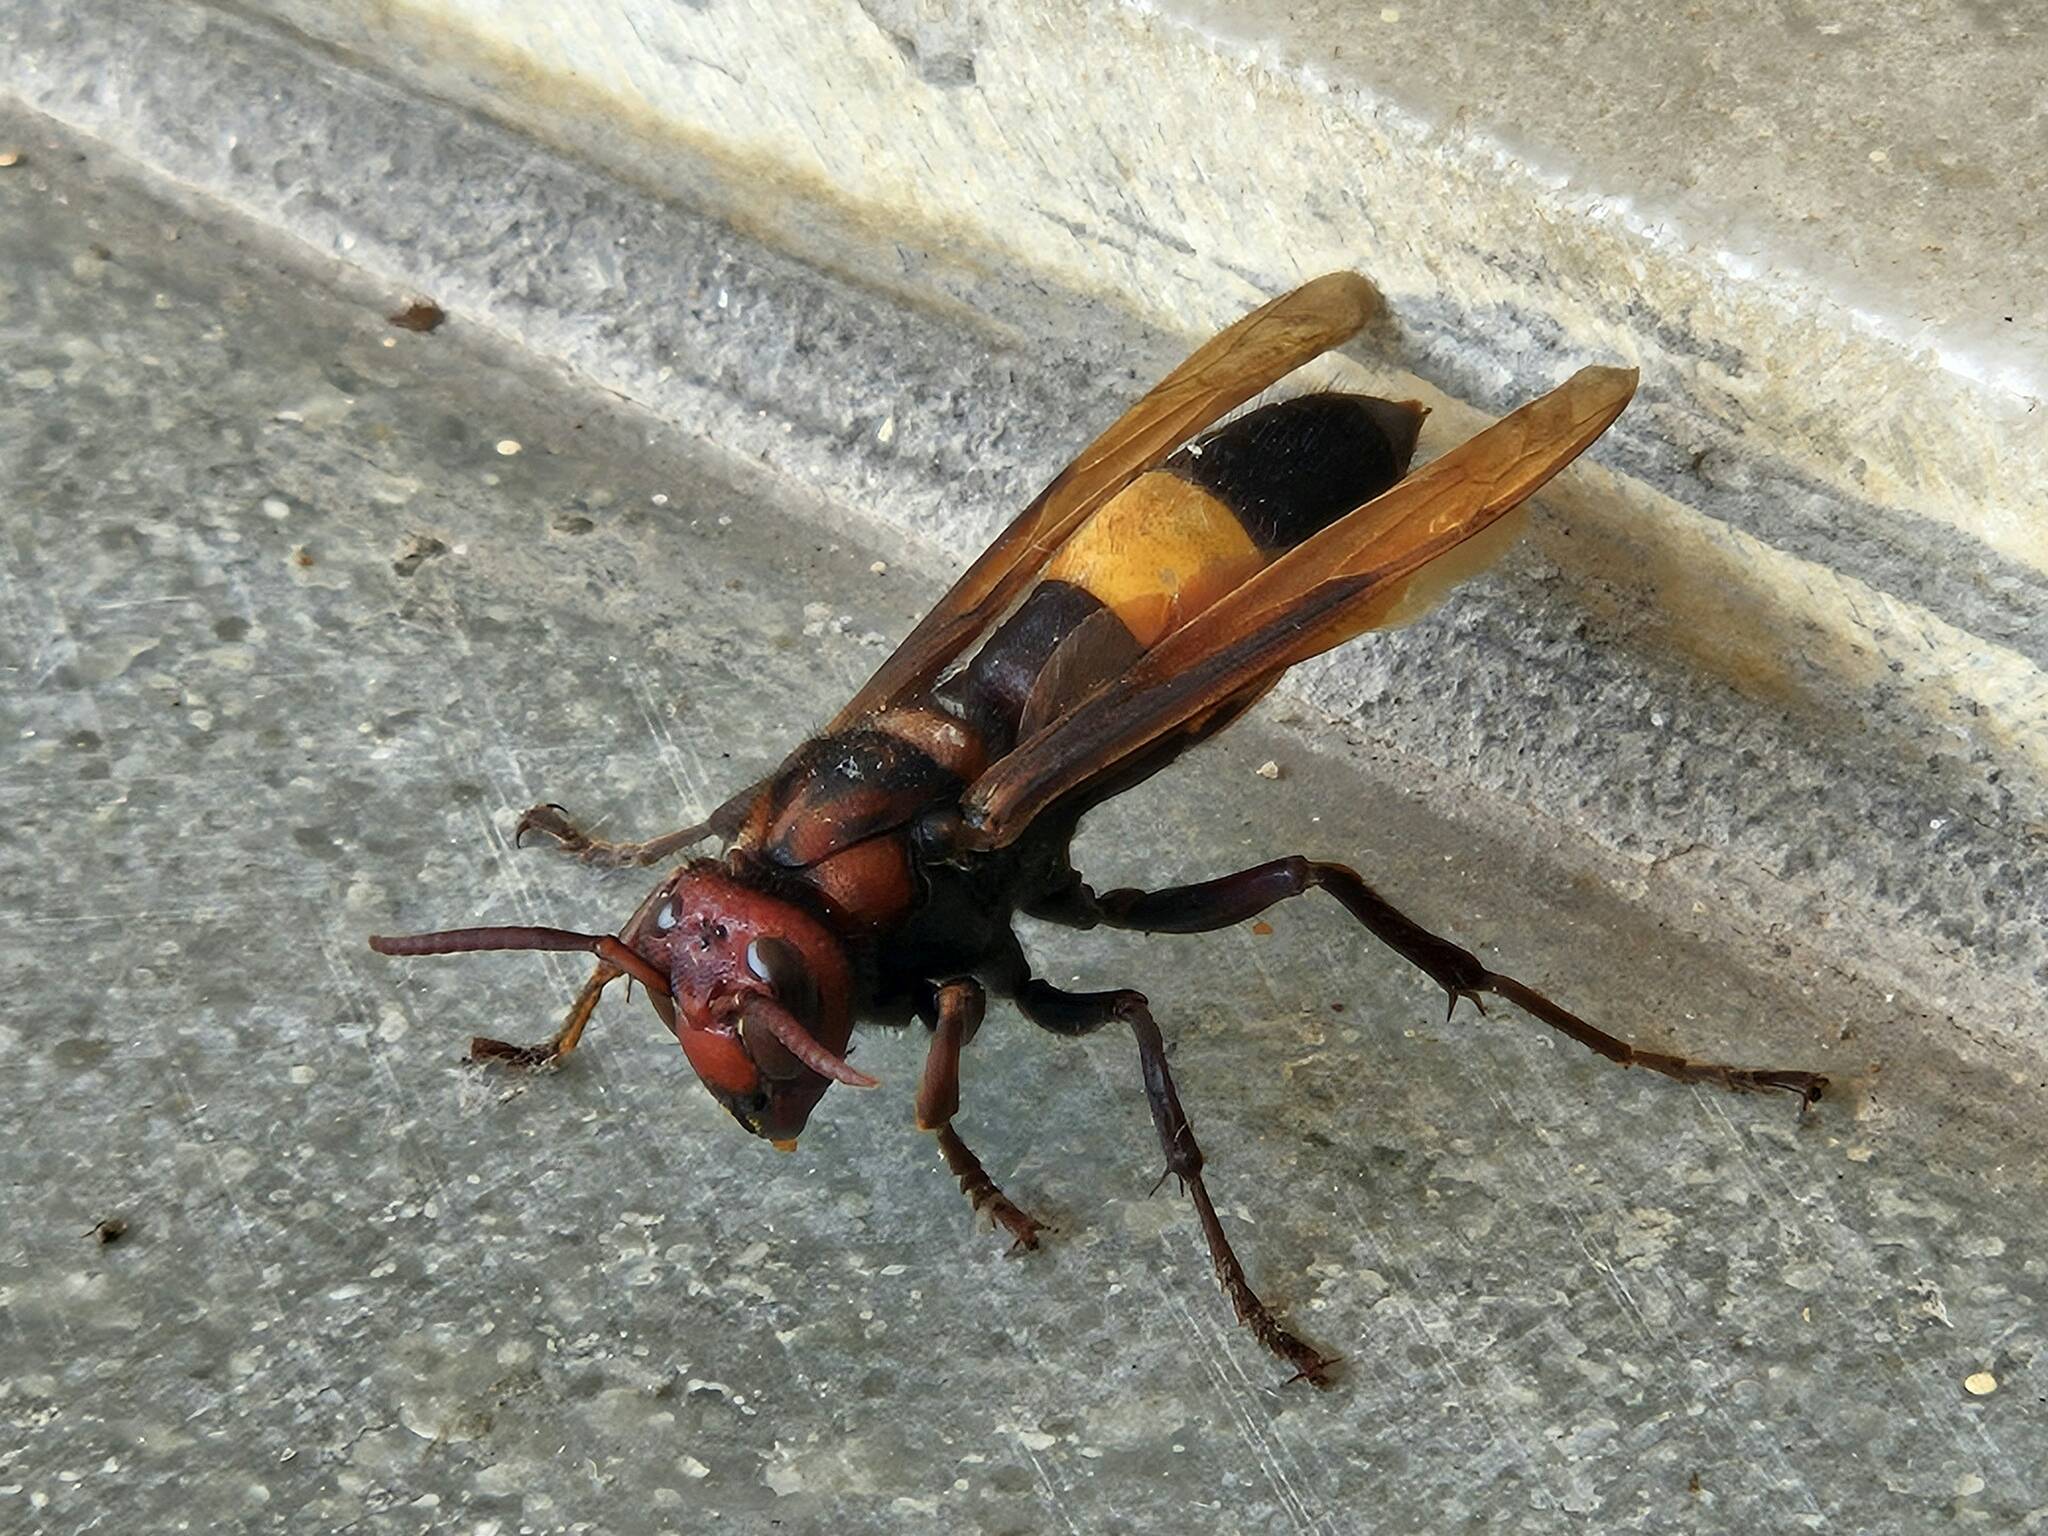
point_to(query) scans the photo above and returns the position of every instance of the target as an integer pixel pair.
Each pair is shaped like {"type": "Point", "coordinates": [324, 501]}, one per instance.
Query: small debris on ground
{"type": "Point", "coordinates": [109, 1230]}
{"type": "Point", "coordinates": [418, 549]}
{"type": "Point", "coordinates": [420, 315]}
{"type": "Point", "coordinates": [1980, 1384]}
{"type": "Point", "coordinates": [1269, 770]}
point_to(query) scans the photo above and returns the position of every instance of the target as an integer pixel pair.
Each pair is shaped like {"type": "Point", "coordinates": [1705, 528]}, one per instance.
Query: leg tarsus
{"type": "Point", "coordinates": [530, 821]}
{"type": "Point", "coordinates": [982, 1192]}
{"type": "Point", "coordinates": [1184, 1159]}
{"type": "Point", "coordinates": [1458, 971]}
{"type": "Point", "coordinates": [553, 821]}
{"type": "Point", "coordinates": [484, 1051]}
{"type": "Point", "coordinates": [1808, 1087]}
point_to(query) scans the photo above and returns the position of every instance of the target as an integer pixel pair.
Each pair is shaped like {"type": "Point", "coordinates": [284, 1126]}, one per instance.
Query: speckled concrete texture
{"type": "Point", "coordinates": [1774, 705]}
{"type": "Point", "coordinates": [299, 609]}
{"type": "Point", "coordinates": [1809, 225]}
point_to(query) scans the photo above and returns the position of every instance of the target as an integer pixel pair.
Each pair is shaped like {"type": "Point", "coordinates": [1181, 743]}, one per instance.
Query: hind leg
{"type": "Point", "coordinates": [1231, 899]}
{"type": "Point", "coordinates": [1079, 1013]}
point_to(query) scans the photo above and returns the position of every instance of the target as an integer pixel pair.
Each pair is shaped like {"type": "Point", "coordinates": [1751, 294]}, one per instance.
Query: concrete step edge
{"type": "Point", "coordinates": [946, 432]}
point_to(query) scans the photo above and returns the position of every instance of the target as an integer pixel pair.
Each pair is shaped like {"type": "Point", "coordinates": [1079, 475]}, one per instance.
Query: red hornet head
{"type": "Point", "coordinates": [758, 991]}
{"type": "Point", "coordinates": [762, 997]}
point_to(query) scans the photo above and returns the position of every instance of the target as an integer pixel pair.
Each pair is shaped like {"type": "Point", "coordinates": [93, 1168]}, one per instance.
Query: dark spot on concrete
{"type": "Point", "coordinates": [80, 1054]}
{"type": "Point", "coordinates": [420, 315]}
{"type": "Point", "coordinates": [569, 522]}
{"type": "Point", "coordinates": [85, 741]}
{"type": "Point", "coordinates": [317, 841]}
{"type": "Point", "coordinates": [419, 548]}
{"type": "Point", "coordinates": [946, 69]}
{"type": "Point", "coordinates": [934, 62]}
{"type": "Point", "coordinates": [530, 632]}
{"type": "Point", "coordinates": [231, 628]}
{"type": "Point", "coordinates": [456, 431]}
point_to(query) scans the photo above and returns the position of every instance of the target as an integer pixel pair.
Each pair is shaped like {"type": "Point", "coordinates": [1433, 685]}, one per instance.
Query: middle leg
{"type": "Point", "coordinates": [959, 1007]}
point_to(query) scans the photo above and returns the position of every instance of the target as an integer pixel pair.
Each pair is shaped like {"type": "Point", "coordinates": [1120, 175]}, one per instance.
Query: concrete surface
{"type": "Point", "coordinates": [1810, 223]}
{"type": "Point", "coordinates": [1787, 696]}
{"type": "Point", "coordinates": [290, 636]}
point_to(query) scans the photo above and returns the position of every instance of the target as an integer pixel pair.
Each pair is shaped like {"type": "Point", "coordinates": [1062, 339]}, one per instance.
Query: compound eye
{"type": "Point", "coordinates": [665, 916]}
{"type": "Point", "coordinates": [781, 964]}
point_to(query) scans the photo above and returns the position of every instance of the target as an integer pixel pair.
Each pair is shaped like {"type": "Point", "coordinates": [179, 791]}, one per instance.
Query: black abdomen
{"type": "Point", "coordinates": [1290, 469]}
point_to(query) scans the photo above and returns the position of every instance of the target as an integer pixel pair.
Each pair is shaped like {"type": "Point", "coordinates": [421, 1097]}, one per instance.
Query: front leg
{"type": "Point", "coordinates": [550, 1052]}
{"type": "Point", "coordinates": [1078, 1013]}
{"type": "Point", "coordinates": [554, 822]}
{"type": "Point", "coordinates": [564, 1040]}
{"type": "Point", "coordinates": [1232, 899]}
{"type": "Point", "coordinates": [960, 1005]}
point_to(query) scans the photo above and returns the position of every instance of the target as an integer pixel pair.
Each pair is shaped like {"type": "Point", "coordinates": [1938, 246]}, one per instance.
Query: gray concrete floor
{"type": "Point", "coordinates": [1781, 713]}
{"type": "Point", "coordinates": [289, 640]}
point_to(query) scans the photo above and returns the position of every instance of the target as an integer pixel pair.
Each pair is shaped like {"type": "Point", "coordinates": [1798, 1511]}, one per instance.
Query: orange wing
{"type": "Point", "coordinates": [1340, 583]}
{"type": "Point", "coordinates": [1262, 348]}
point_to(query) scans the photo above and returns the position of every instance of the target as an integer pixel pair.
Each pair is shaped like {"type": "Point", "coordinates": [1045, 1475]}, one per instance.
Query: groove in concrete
{"type": "Point", "coordinates": [1648, 674]}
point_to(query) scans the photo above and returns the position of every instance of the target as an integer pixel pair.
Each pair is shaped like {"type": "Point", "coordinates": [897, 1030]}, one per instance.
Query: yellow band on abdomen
{"type": "Point", "coordinates": [1157, 554]}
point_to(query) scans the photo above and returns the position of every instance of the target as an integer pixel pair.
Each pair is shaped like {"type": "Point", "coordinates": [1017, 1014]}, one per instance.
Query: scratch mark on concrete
{"type": "Point", "coordinates": [1269, 1448]}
